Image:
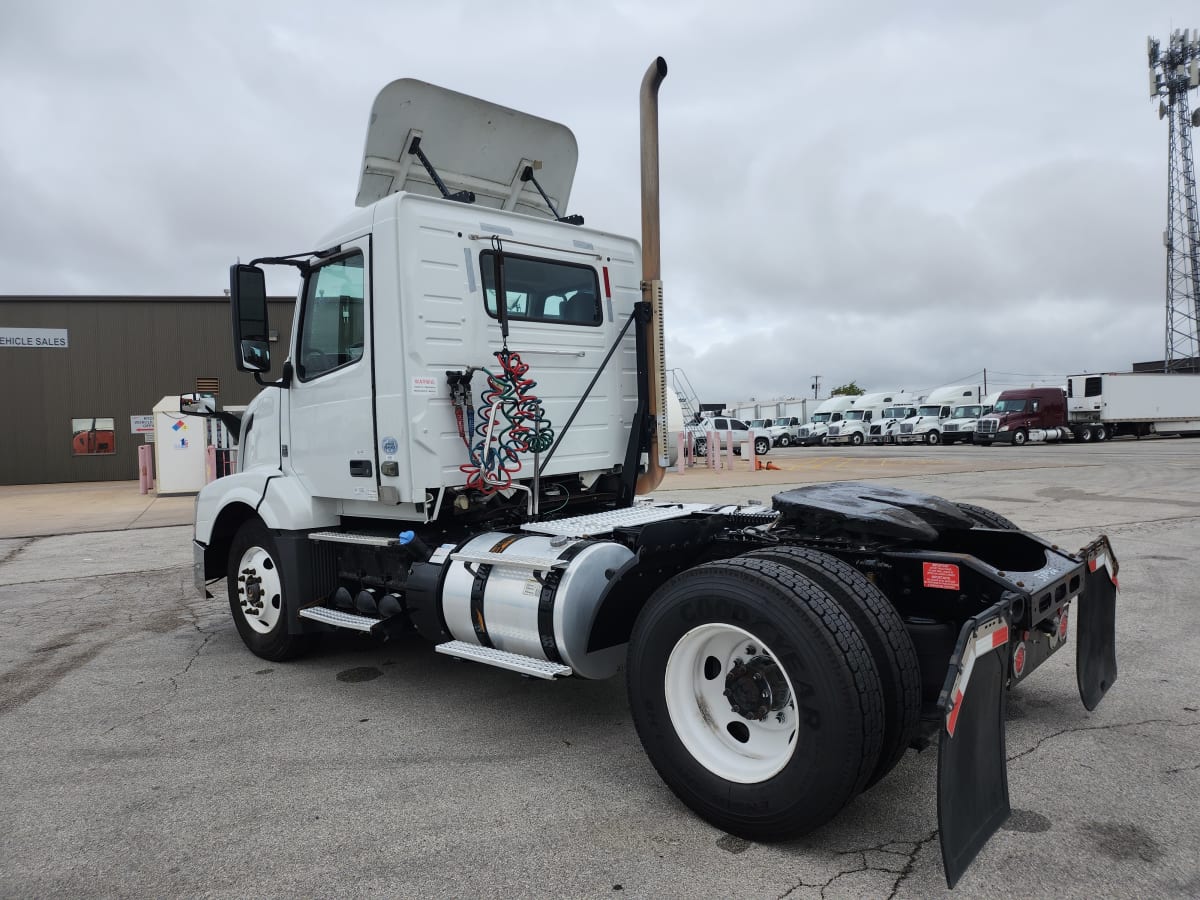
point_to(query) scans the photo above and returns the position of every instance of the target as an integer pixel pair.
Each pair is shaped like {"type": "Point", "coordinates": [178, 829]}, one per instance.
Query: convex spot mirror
{"type": "Point", "coordinates": [197, 404]}
{"type": "Point", "coordinates": [248, 293]}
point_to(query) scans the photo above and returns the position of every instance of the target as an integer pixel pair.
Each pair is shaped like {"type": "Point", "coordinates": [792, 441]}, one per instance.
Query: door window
{"type": "Point", "coordinates": [332, 318]}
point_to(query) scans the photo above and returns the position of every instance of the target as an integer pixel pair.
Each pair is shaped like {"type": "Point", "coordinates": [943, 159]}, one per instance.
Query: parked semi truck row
{"type": "Point", "coordinates": [447, 451]}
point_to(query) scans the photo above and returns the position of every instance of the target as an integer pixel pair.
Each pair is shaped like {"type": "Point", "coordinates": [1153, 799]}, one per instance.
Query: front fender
{"type": "Point", "coordinates": [280, 500]}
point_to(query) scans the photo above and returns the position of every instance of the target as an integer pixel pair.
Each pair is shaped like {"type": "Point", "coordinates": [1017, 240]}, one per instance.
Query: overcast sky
{"type": "Point", "coordinates": [899, 194]}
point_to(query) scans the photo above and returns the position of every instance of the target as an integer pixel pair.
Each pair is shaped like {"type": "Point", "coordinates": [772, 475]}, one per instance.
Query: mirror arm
{"type": "Point", "coordinates": [285, 380]}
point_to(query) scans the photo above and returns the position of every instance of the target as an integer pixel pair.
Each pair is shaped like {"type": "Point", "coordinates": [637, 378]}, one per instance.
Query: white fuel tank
{"type": "Point", "coordinates": [534, 595]}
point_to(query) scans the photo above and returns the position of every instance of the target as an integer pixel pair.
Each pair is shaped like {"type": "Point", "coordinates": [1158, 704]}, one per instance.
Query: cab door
{"type": "Point", "coordinates": [332, 413]}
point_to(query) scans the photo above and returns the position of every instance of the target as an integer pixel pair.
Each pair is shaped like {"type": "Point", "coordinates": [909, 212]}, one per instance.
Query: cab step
{"type": "Point", "coordinates": [349, 537]}
{"type": "Point", "coordinates": [514, 662]}
{"type": "Point", "coordinates": [340, 618]}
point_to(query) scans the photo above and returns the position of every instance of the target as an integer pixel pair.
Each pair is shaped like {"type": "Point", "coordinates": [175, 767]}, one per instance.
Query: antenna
{"type": "Point", "coordinates": [1175, 70]}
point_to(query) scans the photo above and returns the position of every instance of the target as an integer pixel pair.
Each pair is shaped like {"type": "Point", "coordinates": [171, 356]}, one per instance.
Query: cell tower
{"type": "Point", "coordinates": [1174, 70]}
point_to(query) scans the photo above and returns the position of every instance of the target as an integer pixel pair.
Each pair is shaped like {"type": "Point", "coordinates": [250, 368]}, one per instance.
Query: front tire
{"type": "Point", "coordinates": [856, 439]}
{"type": "Point", "coordinates": [933, 438]}
{"type": "Point", "coordinates": [755, 697]}
{"type": "Point", "coordinates": [257, 595]}
{"type": "Point", "coordinates": [785, 440]}
{"type": "Point", "coordinates": [1020, 436]}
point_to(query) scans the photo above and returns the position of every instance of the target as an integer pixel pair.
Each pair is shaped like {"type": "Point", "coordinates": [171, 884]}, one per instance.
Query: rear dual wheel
{"type": "Point", "coordinates": [755, 697]}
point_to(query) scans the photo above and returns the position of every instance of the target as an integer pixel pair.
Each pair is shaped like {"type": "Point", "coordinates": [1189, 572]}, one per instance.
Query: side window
{"type": "Point", "coordinates": [739, 425]}
{"type": "Point", "coordinates": [836, 417]}
{"type": "Point", "coordinates": [1035, 405]}
{"type": "Point", "coordinates": [720, 424]}
{"type": "Point", "coordinates": [945, 412]}
{"type": "Point", "coordinates": [543, 290]}
{"type": "Point", "coordinates": [1091, 387]}
{"type": "Point", "coordinates": [331, 321]}
{"type": "Point", "coordinates": [867, 416]}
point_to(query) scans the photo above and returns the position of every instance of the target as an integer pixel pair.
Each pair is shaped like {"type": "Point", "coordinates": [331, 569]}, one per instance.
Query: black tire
{"type": "Point", "coordinates": [762, 446]}
{"type": "Point", "coordinates": [1101, 433]}
{"type": "Point", "coordinates": [933, 438]}
{"type": "Point", "coordinates": [700, 447]}
{"type": "Point", "coordinates": [883, 630]}
{"type": "Point", "coordinates": [835, 746]}
{"type": "Point", "coordinates": [987, 518]}
{"type": "Point", "coordinates": [1085, 434]}
{"type": "Point", "coordinates": [1020, 436]}
{"type": "Point", "coordinates": [274, 643]}
{"type": "Point", "coordinates": [856, 439]}
{"type": "Point", "coordinates": [785, 440]}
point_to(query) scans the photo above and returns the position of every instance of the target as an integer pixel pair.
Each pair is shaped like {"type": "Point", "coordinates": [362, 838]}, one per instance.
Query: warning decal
{"type": "Point", "coordinates": [943, 576]}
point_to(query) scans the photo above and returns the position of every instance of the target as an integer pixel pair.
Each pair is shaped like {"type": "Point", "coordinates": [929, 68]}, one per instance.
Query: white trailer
{"type": "Point", "coordinates": [1136, 403]}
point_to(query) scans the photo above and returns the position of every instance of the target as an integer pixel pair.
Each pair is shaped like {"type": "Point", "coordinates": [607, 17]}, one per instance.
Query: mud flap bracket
{"type": "Point", "coordinates": [972, 775]}
{"type": "Point", "coordinates": [1096, 624]}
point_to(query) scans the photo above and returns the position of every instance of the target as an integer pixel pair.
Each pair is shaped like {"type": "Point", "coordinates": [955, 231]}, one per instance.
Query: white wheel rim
{"type": "Point", "coordinates": [259, 591]}
{"type": "Point", "coordinates": [728, 744]}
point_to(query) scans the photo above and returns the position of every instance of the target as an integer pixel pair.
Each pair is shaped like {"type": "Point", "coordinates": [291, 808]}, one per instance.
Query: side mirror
{"type": "Point", "coordinates": [248, 293]}
{"type": "Point", "coordinates": [197, 404]}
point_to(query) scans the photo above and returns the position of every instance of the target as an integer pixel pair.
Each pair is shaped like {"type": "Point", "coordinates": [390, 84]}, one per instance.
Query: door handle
{"type": "Point", "coordinates": [360, 468]}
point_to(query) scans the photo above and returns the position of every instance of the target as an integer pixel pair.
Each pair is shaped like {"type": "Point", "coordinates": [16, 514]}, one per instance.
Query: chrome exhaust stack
{"type": "Point", "coordinates": [652, 278]}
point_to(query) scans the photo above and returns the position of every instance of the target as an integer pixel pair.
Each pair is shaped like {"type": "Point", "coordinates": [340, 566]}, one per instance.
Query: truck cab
{"type": "Point", "coordinates": [1019, 413]}
{"type": "Point", "coordinates": [886, 425]}
{"type": "Point", "coordinates": [784, 431]}
{"type": "Point", "coordinates": [828, 413]}
{"type": "Point", "coordinates": [857, 421]}
{"type": "Point", "coordinates": [960, 427]}
{"type": "Point", "coordinates": [926, 426]}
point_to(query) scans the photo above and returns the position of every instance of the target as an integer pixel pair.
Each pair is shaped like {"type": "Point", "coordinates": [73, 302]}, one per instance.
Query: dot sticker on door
{"type": "Point", "coordinates": [390, 446]}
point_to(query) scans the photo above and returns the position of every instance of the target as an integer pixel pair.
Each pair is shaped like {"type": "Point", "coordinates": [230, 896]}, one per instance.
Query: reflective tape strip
{"type": "Point", "coordinates": [1102, 559]}
{"type": "Point", "coordinates": [984, 639]}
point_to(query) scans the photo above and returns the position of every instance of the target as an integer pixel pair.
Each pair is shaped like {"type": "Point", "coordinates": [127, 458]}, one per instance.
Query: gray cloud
{"type": "Point", "coordinates": [898, 194]}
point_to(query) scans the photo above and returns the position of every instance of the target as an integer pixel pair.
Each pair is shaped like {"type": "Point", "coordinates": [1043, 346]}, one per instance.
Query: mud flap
{"type": "Point", "coordinates": [972, 763]}
{"type": "Point", "coordinates": [1096, 628]}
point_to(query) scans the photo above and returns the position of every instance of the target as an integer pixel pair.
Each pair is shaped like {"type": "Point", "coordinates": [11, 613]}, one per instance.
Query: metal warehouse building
{"type": "Point", "coordinates": [75, 370]}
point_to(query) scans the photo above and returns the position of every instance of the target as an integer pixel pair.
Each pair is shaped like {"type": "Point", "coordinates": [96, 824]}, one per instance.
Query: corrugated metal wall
{"type": "Point", "coordinates": [125, 355]}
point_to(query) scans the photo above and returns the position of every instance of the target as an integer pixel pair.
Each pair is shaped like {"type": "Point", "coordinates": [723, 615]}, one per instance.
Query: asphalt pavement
{"type": "Point", "coordinates": [144, 752]}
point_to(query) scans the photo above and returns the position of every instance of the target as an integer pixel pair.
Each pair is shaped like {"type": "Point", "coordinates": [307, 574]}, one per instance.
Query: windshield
{"type": "Point", "coordinates": [820, 417]}
{"type": "Point", "coordinates": [759, 423]}
{"type": "Point", "coordinates": [930, 411]}
{"type": "Point", "coordinates": [854, 415]}
{"type": "Point", "coordinates": [1003, 406]}
{"type": "Point", "coordinates": [967, 412]}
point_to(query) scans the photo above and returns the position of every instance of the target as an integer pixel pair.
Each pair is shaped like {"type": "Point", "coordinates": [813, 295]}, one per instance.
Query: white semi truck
{"type": "Point", "coordinates": [857, 420]}
{"type": "Point", "coordinates": [830, 412]}
{"type": "Point", "coordinates": [926, 426]}
{"type": "Point", "coordinates": [963, 419]}
{"type": "Point", "coordinates": [461, 441]}
{"type": "Point", "coordinates": [886, 425]}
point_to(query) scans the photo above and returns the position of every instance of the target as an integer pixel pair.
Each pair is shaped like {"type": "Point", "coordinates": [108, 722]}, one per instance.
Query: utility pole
{"type": "Point", "coordinates": [816, 386]}
{"type": "Point", "coordinates": [1174, 70]}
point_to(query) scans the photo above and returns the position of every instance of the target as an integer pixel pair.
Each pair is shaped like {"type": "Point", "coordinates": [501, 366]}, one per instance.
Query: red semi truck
{"type": "Point", "coordinates": [1095, 408]}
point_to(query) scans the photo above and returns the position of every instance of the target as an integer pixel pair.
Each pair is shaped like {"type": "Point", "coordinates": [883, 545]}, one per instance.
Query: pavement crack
{"type": "Point", "coordinates": [886, 847]}
{"type": "Point", "coordinates": [1109, 727]}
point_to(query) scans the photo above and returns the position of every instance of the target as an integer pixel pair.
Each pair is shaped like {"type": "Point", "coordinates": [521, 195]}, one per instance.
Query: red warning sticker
{"type": "Point", "coordinates": [940, 575]}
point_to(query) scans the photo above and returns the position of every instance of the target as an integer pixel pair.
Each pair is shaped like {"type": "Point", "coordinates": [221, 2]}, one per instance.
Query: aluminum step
{"type": "Point", "coordinates": [605, 522]}
{"type": "Point", "coordinates": [340, 618]}
{"type": "Point", "coordinates": [514, 662]}
{"type": "Point", "coordinates": [509, 559]}
{"type": "Point", "coordinates": [347, 537]}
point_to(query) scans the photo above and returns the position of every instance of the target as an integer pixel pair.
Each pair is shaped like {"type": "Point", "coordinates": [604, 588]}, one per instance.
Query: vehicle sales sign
{"type": "Point", "coordinates": [55, 338]}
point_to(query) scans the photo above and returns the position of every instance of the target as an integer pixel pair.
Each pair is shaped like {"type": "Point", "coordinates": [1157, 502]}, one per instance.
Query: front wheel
{"type": "Point", "coordinates": [856, 439]}
{"type": "Point", "coordinates": [700, 447]}
{"type": "Point", "coordinates": [755, 697]}
{"type": "Point", "coordinates": [257, 595]}
{"type": "Point", "coordinates": [1020, 437]}
{"type": "Point", "coordinates": [933, 438]}
{"type": "Point", "coordinates": [785, 440]}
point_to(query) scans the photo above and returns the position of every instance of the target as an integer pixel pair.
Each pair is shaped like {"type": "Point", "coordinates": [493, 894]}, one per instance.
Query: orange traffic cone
{"type": "Point", "coordinates": [774, 468]}
{"type": "Point", "coordinates": [758, 465]}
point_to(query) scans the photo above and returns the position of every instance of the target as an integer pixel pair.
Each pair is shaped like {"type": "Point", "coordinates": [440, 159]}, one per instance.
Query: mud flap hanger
{"type": "Point", "coordinates": [972, 778]}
